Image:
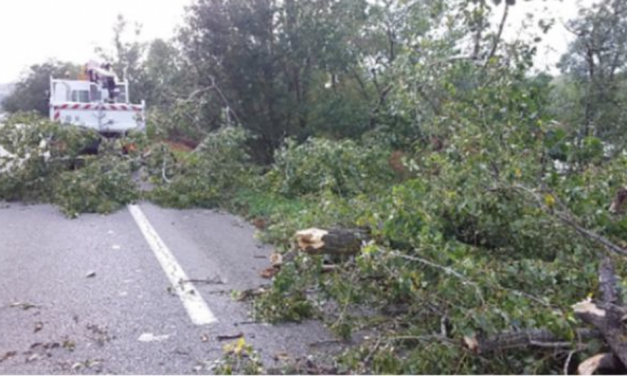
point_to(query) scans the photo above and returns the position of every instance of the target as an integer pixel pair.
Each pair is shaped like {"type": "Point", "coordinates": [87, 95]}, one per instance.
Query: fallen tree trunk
{"type": "Point", "coordinates": [606, 317]}
{"type": "Point", "coordinates": [526, 338]}
{"type": "Point", "coordinates": [315, 241]}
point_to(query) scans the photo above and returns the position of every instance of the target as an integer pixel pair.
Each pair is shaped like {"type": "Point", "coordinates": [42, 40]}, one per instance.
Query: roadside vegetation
{"type": "Point", "coordinates": [479, 187]}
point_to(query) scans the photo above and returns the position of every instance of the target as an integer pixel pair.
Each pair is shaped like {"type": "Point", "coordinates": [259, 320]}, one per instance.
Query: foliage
{"type": "Point", "coordinates": [457, 245]}
{"type": "Point", "coordinates": [282, 69]}
{"type": "Point", "coordinates": [342, 167]}
{"type": "Point", "coordinates": [596, 61]}
{"type": "Point", "coordinates": [211, 174]}
{"type": "Point", "coordinates": [38, 151]}
{"type": "Point", "coordinates": [463, 247]}
{"type": "Point", "coordinates": [46, 163]}
{"type": "Point", "coordinates": [127, 58]}
{"type": "Point", "coordinates": [103, 185]}
{"type": "Point", "coordinates": [31, 92]}
{"type": "Point", "coordinates": [288, 300]}
{"type": "Point", "coordinates": [415, 120]}
{"type": "Point", "coordinates": [239, 358]}
{"type": "Point", "coordinates": [175, 124]}
{"type": "Point", "coordinates": [165, 70]}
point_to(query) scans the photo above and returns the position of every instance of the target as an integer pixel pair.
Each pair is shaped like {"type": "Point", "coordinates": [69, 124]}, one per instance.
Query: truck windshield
{"type": "Point", "coordinates": [95, 93]}
{"type": "Point", "coordinates": [81, 96]}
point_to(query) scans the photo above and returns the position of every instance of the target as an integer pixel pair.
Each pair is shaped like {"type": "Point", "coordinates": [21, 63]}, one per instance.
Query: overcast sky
{"type": "Point", "coordinates": [32, 31]}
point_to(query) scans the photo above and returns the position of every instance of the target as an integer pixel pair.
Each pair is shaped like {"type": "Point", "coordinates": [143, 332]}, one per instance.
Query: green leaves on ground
{"type": "Point", "coordinates": [103, 185]}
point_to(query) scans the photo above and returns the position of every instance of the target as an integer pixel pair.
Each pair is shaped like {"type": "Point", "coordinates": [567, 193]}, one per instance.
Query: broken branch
{"type": "Point", "coordinates": [568, 220]}
{"type": "Point", "coordinates": [526, 338]}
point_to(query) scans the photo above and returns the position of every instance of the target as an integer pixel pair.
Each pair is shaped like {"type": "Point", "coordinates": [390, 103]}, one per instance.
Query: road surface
{"type": "Point", "coordinates": [96, 294]}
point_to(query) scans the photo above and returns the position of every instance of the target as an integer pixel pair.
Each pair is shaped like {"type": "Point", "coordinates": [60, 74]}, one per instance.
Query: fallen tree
{"type": "Point", "coordinates": [48, 162]}
{"type": "Point", "coordinates": [588, 339]}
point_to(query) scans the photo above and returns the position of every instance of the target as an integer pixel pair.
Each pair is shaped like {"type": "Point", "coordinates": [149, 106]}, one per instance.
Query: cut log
{"type": "Point", "coordinates": [606, 321]}
{"type": "Point", "coordinates": [600, 362]}
{"type": "Point", "coordinates": [525, 338]}
{"type": "Point", "coordinates": [315, 241]}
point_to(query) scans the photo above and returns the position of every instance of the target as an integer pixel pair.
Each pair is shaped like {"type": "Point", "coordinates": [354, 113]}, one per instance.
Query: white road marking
{"type": "Point", "coordinates": [196, 307]}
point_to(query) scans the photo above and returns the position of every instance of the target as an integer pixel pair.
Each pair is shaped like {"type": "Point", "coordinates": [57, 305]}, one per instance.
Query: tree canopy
{"type": "Point", "coordinates": [31, 92]}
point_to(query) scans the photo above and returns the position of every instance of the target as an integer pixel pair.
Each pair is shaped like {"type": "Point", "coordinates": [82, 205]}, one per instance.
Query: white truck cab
{"type": "Point", "coordinates": [88, 104]}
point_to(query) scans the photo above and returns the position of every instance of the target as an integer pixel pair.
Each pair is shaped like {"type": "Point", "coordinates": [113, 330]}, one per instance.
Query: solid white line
{"type": "Point", "coordinates": [196, 307]}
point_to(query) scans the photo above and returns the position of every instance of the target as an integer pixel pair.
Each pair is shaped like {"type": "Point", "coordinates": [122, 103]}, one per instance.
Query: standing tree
{"type": "Point", "coordinates": [290, 68]}
{"type": "Point", "coordinates": [166, 74]}
{"type": "Point", "coordinates": [31, 92]}
{"type": "Point", "coordinates": [596, 61]}
{"type": "Point", "coordinates": [128, 58]}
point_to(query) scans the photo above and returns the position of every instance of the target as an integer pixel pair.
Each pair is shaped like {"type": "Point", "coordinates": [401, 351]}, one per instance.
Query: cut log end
{"type": "Point", "coordinates": [311, 238]}
{"type": "Point", "coordinates": [315, 241]}
{"type": "Point", "coordinates": [606, 321]}
{"type": "Point", "coordinates": [600, 362]}
{"type": "Point", "coordinates": [588, 308]}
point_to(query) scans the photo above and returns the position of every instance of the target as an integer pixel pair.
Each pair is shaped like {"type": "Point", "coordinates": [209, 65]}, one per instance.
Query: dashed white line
{"type": "Point", "coordinates": [194, 304]}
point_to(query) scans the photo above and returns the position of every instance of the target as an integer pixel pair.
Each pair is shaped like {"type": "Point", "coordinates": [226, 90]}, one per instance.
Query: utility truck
{"type": "Point", "coordinates": [96, 100]}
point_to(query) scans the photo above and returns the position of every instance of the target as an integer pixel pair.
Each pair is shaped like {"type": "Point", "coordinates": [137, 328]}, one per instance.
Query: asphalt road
{"type": "Point", "coordinates": [95, 294]}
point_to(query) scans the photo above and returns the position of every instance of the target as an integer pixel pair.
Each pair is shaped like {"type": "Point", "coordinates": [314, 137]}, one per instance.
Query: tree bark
{"type": "Point", "coordinates": [525, 338]}
{"type": "Point", "coordinates": [606, 318]}
{"type": "Point", "coordinates": [497, 39]}
{"type": "Point", "coordinates": [315, 241]}
{"type": "Point", "coordinates": [608, 282]}
{"type": "Point", "coordinates": [479, 32]}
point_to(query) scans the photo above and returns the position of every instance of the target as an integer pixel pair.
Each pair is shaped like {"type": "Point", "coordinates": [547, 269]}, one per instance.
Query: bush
{"type": "Point", "coordinates": [342, 167]}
